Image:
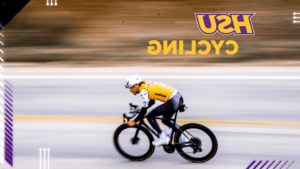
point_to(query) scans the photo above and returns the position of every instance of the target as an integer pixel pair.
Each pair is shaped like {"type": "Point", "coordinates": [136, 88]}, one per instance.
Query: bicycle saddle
{"type": "Point", "coordinates": [182, 108]}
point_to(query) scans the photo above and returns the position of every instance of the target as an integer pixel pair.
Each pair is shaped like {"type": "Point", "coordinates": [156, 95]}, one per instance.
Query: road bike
{"type": "Point", "coordinates": [135, 143]}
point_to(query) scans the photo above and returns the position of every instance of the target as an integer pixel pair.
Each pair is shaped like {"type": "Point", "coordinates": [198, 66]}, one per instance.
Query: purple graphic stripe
{"type": "Point", "coordinates": [8, 117]}
{"type": "Point", "coordinates": [8, 141]}
{"type": "Point", "coordinates": [284, 164]}
{"type": "Point", "coordinates": [8, 93]}
{"type": "Point", "coordinates": [8, 112]}
{"type": "Point", "coordinates": [264, 165]}
{"type": "Point", "coordinates": [257, 165]}
{"type": "Point", "coordinates": [9, 108]}
{"type": "Point", "coordinates": [270, 164]}
{"type": "Point", "coordinates": [8, 132]}
{"type": "Point", "coordinates": [8, 88]}
{"type": "Point", "coordinates": [8, 83]}
{"type": "Point", "coordinates": [8, 97]}
{"type": "Point", "coordinates": [9, 103]}
{"type": "Point", "coordinates": [7, 126]}
{"type": "Point", "coordinates": [9, 123]}
{"type": "Point", "coordinates": [9, 161]}
{"type": "Point", "coordinates": [290, 165]}
{"type": "Point", "coordinates": [251, 164]}
{"type": "Point", "coordinates": [8, 136]}
{"type": "Point", "coordinates": [8, 147]}
{"type": "Point", "coordinates": [8, 154]}
{"type": "Point", "coordinates": [277, 164]}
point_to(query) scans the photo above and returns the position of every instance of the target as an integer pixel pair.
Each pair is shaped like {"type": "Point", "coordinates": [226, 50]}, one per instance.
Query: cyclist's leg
{"type": "Point", "coordinates": [158, 111]}
{"type": "Point", "coordinates": [174, 104]}
{"type": "Point", "coordinates": [167, 110]}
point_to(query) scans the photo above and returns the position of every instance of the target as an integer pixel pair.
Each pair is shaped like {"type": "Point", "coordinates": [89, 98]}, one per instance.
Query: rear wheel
{"type": "Point", "coordinates": [200, 146]}
{"type": "Point", "coordinates": [136, 149]}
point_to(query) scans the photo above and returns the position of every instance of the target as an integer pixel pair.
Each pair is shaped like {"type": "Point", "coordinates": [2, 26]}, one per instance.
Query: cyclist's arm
{"type": "Point", "coordinates": [151, 103]}
{"type": "Point", "coordinates": [145, 105]}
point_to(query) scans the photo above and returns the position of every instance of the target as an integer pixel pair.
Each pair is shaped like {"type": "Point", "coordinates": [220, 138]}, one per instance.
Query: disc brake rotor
{"type": "Point", "coordinates": [135, 141]}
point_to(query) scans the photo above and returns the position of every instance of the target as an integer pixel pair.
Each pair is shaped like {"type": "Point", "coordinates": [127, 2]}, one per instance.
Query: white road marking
{"type": "Point", "coordinates": [40, 158]}
{"type": "Point", "coordinates": [44, 158]}
{"type": "Point", "coordinates": [48, 158]}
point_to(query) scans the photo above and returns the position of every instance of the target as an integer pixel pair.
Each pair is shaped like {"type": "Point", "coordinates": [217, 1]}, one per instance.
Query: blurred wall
{"type": "Point", "coordinates": [116, 33]}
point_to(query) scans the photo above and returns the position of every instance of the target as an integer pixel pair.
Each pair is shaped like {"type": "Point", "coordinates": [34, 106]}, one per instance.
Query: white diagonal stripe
{"type": "Point", "coordinates": [1, 153]}
{"type": "Point", "coordinates": [1, 143]}
{"type": "Point", "coordinates": [1, 132]}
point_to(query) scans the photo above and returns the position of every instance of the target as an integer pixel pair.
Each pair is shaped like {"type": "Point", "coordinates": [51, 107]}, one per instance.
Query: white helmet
{"type": "Point", "coordinates": [132, 80]}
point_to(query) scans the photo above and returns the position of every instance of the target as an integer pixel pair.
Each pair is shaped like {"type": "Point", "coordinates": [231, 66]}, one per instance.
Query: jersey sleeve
{"type": "Point", "coordinates": [145, 98]}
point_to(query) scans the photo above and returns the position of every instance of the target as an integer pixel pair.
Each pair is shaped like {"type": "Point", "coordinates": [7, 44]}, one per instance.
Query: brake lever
{"type": "Point", "coordinates": [133, 108]}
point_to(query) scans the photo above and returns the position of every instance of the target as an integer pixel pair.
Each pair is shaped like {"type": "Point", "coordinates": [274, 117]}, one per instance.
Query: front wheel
{"type": "Point", "coordinates": [195, 143]}
{"type": "Point", "coordinates": [136, 149]}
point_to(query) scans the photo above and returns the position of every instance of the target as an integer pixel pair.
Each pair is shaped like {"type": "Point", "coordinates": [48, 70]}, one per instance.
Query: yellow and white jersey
{"type": "Point", "coordinates": [156, 91]}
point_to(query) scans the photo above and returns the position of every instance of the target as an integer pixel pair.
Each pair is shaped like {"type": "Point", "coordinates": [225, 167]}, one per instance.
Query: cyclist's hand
{"type": "Point", "coordinates": [131, 123]}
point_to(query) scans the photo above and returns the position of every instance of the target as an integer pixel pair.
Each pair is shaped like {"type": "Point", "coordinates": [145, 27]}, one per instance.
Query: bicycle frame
{"type": "Point", "coordinates": [142, 122]}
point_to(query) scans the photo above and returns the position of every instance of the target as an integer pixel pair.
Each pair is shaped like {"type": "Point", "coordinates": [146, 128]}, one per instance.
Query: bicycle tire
{"type": "Point", "coordinates": [209, 156]}
{"type": "Point", "coordinates": [122, 152]}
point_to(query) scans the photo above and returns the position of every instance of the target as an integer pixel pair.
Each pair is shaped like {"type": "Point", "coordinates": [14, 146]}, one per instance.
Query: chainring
{"type": "Point", "coordinates": [169, 148]}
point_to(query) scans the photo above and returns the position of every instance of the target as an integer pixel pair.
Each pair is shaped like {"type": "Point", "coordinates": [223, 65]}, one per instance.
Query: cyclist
{"type": "Point", "coordinates": [151, 91]}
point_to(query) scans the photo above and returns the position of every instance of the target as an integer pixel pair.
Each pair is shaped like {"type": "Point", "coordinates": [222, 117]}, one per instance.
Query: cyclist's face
{"type": "Point", "coordinates": [134, 89]}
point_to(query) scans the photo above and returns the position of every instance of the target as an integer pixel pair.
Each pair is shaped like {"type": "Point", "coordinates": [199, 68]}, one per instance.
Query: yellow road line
{"type": "Point", "coordinates": [117, 120]}
{"type": "Point", "coordinates": [41, 117]}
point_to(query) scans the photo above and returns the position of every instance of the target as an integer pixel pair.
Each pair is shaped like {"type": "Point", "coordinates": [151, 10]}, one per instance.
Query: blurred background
{"type": "Point", "coordinates": [254, 94]}
{"type": "Point", "coordinates": [116, 33]}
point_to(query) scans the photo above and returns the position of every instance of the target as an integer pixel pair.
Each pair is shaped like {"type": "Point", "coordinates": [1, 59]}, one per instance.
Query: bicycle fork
{"type": "Point", "coordinates": [135, 139]}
